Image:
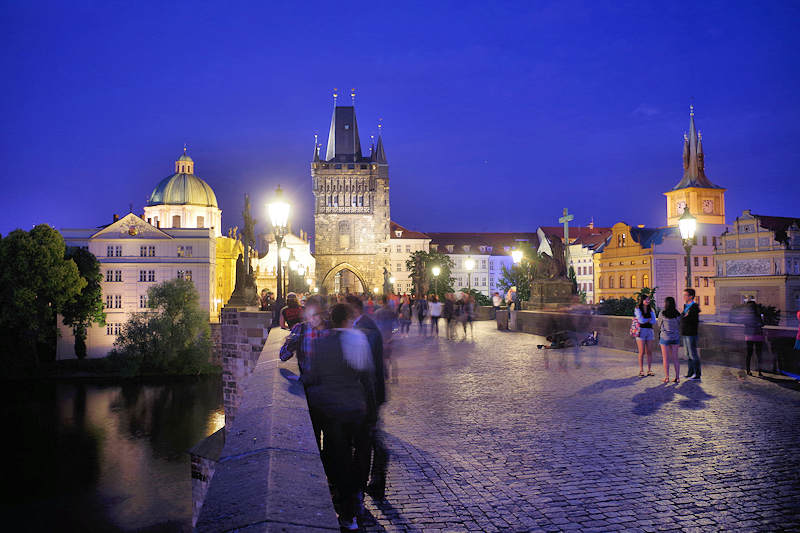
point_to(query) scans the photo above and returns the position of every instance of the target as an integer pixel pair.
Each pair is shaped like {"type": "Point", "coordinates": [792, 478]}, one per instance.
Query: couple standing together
{"type": "Point", "coordinates": [675, 328]}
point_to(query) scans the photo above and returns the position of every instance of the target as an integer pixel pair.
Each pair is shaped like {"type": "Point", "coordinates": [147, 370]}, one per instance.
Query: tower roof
{"type": "Point", "coordinates": [344, 143]}
{"type": "Point", "coordinates": [380, 153]}
{"type": "Point", "coordinates": [694, 174]}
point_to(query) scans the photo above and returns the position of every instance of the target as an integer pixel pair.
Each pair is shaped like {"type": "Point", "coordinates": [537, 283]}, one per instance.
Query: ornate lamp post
{"type": "Point", "coordinates": [516, 256]}
{"type": "Point", "coordinates": [688, 225]}
{"type": "Point", "coordinates": [436, 271]}
{"type": "Point", "coordinates": [279, 217]}
{"type": "Point", "coordinates": [469, 264]}
{"type": "Point", "coordinates": [284, 254]}
{"type": "Point", "coordinates": [391, 282]}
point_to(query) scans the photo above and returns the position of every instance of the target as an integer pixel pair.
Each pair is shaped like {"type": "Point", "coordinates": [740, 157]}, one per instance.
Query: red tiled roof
{"type": "Point", "coordinates": [579, 235]}
{"type": "Point", "coordinates": [407, 233]}
{"type": "Point", "coordinates": [779, 225]}
{"type": "Point", "coordinates": [497, 241]}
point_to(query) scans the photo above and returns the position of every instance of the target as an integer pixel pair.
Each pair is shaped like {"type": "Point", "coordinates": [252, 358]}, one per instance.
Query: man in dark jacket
{"type": "Point", "coordinates": [376, 446]}
{"type": "Point", "coordinates": [690, 319]}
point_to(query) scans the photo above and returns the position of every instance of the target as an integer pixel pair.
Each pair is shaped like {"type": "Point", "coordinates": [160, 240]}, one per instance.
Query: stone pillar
{"type": "Point", "coordinates": [244, 333]}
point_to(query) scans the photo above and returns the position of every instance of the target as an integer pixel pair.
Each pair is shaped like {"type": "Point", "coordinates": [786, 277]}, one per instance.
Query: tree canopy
{"type": "Point", "coordinates": [420, 265]}
{"type": "Point", "coordinates": [36, 282]}
{"type": "Point", "coordinates": [86, 307]}
{"type": "Point", "coordinates": [173, 337]}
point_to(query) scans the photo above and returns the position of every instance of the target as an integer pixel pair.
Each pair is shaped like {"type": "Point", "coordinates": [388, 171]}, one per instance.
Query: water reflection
{"type": "Point", "coordinates": [104, 457]}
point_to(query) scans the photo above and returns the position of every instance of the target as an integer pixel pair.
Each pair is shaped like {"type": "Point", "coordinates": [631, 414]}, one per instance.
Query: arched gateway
{"type": "Point", "coordinates": [344, 278]}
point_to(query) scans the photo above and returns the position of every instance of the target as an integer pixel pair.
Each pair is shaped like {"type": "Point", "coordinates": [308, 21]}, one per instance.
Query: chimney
{"type": "Point", "coordinates": [116, 217]}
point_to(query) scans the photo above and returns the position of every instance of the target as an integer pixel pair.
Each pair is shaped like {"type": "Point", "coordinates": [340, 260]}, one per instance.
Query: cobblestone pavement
{"type": "Point", "coordinates": [491, 436]}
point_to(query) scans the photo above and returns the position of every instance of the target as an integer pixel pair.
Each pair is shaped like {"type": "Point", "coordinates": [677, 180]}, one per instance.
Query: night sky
{"type": "Point", "coordinates": [495, 116]}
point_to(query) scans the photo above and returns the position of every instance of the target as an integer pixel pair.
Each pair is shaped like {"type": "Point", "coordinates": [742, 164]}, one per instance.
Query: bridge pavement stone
{"type": "Point", "coordinates": [496, 435]}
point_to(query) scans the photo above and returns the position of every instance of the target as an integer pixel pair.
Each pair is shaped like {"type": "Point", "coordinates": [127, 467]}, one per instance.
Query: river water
{"type": "Point", "coordinates": [89, 457]}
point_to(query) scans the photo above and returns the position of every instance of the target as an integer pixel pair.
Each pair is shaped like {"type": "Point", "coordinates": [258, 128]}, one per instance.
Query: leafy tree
{"type": "Point", "coordinates": [86, 307]}
{"type": "Point", "coordinates": [420, 264]}
{"type": "Point", "coordinates": [174, 337]}
{"type": "Point", "coordinates": [617, 307]}
{"type": "Point", "coordinates": [36, 281]}
{"type": "Point", "coordinates": [521, 275]}
{"type": "Point", "coordinates": [480, 298]}
{"type": "Point", "coordinates": [648, 292]}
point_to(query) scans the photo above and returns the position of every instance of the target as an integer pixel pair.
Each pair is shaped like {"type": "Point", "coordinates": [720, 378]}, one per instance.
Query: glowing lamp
{"type": "Point", "coordinates": [391, 280]}
{"type": "Point", "coordinates": [436, 271]}
{"type": "Point", "coordinates": [688, 225]}
{"type": "Point", "coordinates": [284, 253]}
{"type": "Point", "coordinates": [278, 210]}
{"type": "Point", "coordinates": [469, 264]}
{"type": "Point", "coordinates": [516, 255]}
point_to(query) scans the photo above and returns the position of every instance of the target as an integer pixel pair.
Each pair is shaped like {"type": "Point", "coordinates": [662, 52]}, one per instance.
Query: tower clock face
{"type": "Point", "coordinates": [708, 206]}
{"type": "Point", "coordinates": [681, 207]}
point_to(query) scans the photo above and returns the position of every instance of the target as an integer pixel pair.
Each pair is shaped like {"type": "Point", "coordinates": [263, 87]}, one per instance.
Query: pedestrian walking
{"type": "Point", "coordinates": [421, 312]}
{"type": "Point", "coordinates": [690, 321]}
{"type": "Point", "coordinates": [646, 317]}
{"type": "Point", "coordinates": [469, 315]}
{"type": "Point", "coordinates": [339, 388]}
{"type": "Point", "coordinates": [292, 314]}
{"type": "Point", "coordinates": [753, 335]}
{"type": "Point", "coordinates": [435, 310]}
{"type": "Point", "coordinates": [448, 312]}
{"type": "Point", "coordinates": [669, 325]}
{"type": "Point", "coordinates": [404, 315]}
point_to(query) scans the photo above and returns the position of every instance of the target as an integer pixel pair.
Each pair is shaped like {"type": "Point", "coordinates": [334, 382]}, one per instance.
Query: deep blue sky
{"type": "Point", "coordinates": [496, 116]}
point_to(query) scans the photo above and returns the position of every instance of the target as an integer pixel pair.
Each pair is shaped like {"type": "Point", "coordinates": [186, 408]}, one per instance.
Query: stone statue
{"type": "Point", "coordinates": [387, 286]}
{"type": "Point", "coordinates": [245, 293]}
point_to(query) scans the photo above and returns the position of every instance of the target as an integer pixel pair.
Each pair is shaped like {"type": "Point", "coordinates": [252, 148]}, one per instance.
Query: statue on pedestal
{"type": "Point", "coordinates": [387, 285]}
{"type": "Point", "coordinates": [245, 293]}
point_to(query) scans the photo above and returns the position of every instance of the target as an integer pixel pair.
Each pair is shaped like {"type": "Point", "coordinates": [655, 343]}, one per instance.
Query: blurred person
{"type": "Point", "coordinates": [690, 321]}
{"type": "Point", "coordinates": [276, 308]}
{"type": "Point", "coordinates": [404, 315]}
{"type": "Point", "coordinates": [669, 325]}
{"type": "Point", "coordinates": [467, 315]}
{"type": "Point", "coordinates": [339, 389]}
{"type": "Point", "coordinates": [421, 311]}
{"type": "Point", "coordinates": [374, 445]}
{"type": "Point", "coordinates": [435, 310]}
{"type": "Point", "coordinates": [497, 301]}
{"type": "Point", "coordinates": [292, 313]}
{"type": "Point", "coordinates": [646, 317]}
{"type": "Point", "coordinates": [449, 311]}
{"type": "Point", "coordinates": [263, 300]}
{"type": "Point", "coordinates": [753, 335]}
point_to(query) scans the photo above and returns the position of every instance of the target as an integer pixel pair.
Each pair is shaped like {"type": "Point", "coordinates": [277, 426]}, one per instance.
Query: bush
{"type": "Point", "coordinates": [173, 338]}
{"type": "Point", "coordinates": [480, 298]}
{"type": "Point", "coordinates": [617, 307]}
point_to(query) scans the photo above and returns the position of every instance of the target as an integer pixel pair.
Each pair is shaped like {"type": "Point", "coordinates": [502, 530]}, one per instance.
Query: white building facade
{"type": "Point", "coordinates": [402, 243]}
{"type": "Point", "coordinates": [134, 256]}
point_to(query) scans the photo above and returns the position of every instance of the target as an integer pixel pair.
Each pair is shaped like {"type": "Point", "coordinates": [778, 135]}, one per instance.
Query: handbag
{"type": "Point", "coordinates": [634, 331]}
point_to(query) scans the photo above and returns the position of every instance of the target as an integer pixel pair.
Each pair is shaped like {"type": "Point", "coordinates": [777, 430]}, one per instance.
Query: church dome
{"type": "Point", "coordinates": [183, 187]}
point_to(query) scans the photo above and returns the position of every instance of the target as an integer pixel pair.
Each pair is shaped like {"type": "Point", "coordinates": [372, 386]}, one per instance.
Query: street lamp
{"type": "Point", "coordinates": [284, 254]}
{"type": "Point", "coordinates": [436, 271]}
{"type": "Point", "coordinates": [688, 225]}
{"type": "Point", "coordinates": [516, 255]}
{"type": "Point", "coordinates": [279, 217]}
{"type": "Point", "coordinates": [469, 264]}
{"type": "Point", "coordinates": [391, 283]}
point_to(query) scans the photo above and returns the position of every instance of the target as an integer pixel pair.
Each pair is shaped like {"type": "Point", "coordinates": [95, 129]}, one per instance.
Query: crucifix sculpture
{"type": "Point", "coordinates": [565, 220]}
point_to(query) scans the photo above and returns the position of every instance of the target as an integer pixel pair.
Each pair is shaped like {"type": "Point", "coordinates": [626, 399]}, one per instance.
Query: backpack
{"type": "Point", "coordinates": [634, 331]}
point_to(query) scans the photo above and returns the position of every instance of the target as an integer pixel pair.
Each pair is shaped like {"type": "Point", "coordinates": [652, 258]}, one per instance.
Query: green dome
{"type": "Point", "coordinates": [185, 157]}
{"type": "Point", "coordinates": [183, 189]}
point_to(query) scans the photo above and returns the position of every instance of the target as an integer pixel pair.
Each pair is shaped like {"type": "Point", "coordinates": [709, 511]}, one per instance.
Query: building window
{"type": "Point", "coordinates": [117, 301]}
{"type": "Point", "coordinates": [143, 251]}
{"type": "Point", "coordinates": [176, 221]}
{"type": "Point", "coordinates": [705, 300]}
{"type": "Point", "coordinates": [109, 251]}
{"type": "Point", "coordinates": [399, 267]}
{"type": "Point", "coordinates": [185, 274]}
{"type": "Point", "coordinates": [118, 275]}
{"type": "Point", "coordinates": [151, 251]}
{"type": "Point", "coordinates": [633, 281]}
{"type": "Point", "coordinates": [143, 275]}
{"type": "Point", "coordinates": [705, 240]}
{"type": "Point", "coordinates": [113, 328]}
{"type": "Point", "coordinates": [591, 286]}
{"type": "Point", "coordinates": [697, 281]}
{"type": "Point", "coordinates": [109, 275]}
{"type": "Point", "coordinates": [696, 261]}
{"type": "Point", "coordinates": [714, 241]}
{"type": "Point", "coordinates": [109, 301]}
{"type": "Point", "coordinates": [399, 248]}
{"type": "Point", "coordinates": [591, 270]}
{"type": "Point", "coordinates": [705, 282]}
{"type": "Point", "coordinates": [151, 275]}
{"type": "Point", "coordinates": [184, 251]}
{"type": "Point", "coordinates": [408, 248]}
{"type": "Point", "coordinates": [483, 264]}
{"type": "Point", "coordinates": [143, 301]}
{"type": "Point", "coordinates": [491, 265]}
{"type": "Point", "coordinates": [611, 282]}
{"type": "Point", "coordinates": [201, 222]}
{"type": "Point", "coordinates": [705, 261]}
{"type": "Point", "coordinates": [601, 283]}
{"type": "Point", "coordinates": [622, 282]}
{"type": "Point", "coordinates": [646, 280]}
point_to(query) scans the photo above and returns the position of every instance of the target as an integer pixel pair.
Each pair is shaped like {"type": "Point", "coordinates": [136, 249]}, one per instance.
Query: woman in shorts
{"type": "Point", "coordinates": [646, 317]}
{"type": "Point", "coordinates": [669, 324]}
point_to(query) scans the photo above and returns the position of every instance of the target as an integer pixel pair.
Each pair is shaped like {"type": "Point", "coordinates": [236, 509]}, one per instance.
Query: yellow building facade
{"type": "Point", "coordinates": [228, 250]}
{"type": "Point", "coordinates": [624, 266]}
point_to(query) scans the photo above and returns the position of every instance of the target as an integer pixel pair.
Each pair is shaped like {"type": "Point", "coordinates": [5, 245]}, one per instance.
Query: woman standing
{"type": "Point", "coordinates": [404, 314]}
{"type": "Point", "coordinates": [753, 335]}
{"type": "Point", "coordinates": [436, 312]}
{"type": "Point", "coordinates": [669, 324]}
{"type": "Point", "coordinates": [646, 317]}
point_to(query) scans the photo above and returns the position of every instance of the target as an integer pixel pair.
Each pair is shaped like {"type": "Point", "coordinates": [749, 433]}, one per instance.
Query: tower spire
{"type": "Point", "coordinates": [380, 153]}
{"type": "Point", "coordinates": [693, 166]}
{"type": "Point", "coordinates": [316, 147]}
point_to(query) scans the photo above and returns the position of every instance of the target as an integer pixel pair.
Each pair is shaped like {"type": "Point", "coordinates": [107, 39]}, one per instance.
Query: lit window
{"type": "Point", "coordinates": [185, 274]}
{"type": "Point", "coordinates": [646, 280]}
{"type": "Point", "coordinates": [151, 251]}
{"type": "Point", "coordinates": [633, 281]}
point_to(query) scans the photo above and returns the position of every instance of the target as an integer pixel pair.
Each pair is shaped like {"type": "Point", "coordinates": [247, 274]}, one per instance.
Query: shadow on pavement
{"type": "Point", "coordinates": [607, 384]}
{"type": "Point", "coordinates": [694, 394]}
{"type": "Point", "coordinates": [651, 400]}
{"type": "Point", "coordinates": [785, 382]}
{"type": "Point", "coordinates": [295, 387]}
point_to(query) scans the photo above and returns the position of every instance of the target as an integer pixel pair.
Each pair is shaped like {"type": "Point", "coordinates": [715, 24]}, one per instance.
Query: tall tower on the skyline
{"type": "Point", "coordinates": [351, 208]}
{"type": "Point", "coordinates": [695, 191]}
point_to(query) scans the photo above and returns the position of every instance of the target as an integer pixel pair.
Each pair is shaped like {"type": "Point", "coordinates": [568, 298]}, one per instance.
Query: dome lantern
{"type": "Point", "coordinates": [184, 164]}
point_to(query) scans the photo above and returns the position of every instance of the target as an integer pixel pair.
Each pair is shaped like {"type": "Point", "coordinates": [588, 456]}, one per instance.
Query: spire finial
{"type": "Point", "coordinates": [691, 110]}
{"type": "Point", "coordinates": [380, 126]}
{"type": "Point", "coordinates": [184, 147]}
{"type": "Point", "coordinates": [335, 96]}
{"type": "Point", "coordinates": [700, 135]}
{"type": "Point", "coordinates": [353, 95]}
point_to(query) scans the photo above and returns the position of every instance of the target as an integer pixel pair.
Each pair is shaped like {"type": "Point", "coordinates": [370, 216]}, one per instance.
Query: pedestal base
{"type": "Point", "coordinates": [551, 293]}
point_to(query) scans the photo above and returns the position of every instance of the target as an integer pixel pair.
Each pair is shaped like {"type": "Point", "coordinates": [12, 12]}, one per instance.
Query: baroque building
{"type": "Point", "coordinates": [637, 257]}
{"type": "Point", "coordinates": [758, 258]}
{"type": "Point", "coordinates": [351, 209]}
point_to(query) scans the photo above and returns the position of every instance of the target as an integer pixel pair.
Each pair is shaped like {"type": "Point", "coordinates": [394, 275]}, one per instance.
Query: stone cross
{"type": "Point", "coordinates": [565, 220]}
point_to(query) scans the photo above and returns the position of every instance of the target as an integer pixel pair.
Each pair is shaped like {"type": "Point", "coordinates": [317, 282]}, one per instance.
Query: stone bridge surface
{"type": "Point", "coordinates": [492, 435]}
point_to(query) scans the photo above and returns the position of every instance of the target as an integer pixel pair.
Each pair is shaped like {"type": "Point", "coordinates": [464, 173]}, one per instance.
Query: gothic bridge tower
{"type": "Point", "coordinates": [351, 208]}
